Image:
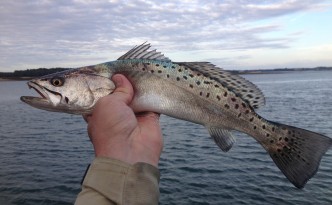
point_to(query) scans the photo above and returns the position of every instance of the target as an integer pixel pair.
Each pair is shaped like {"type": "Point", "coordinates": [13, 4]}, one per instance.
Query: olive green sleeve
{"type": "Point", "coordinates": [110, 181]}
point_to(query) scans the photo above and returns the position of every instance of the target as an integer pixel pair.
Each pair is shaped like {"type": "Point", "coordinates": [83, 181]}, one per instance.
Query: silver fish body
{"type": "Point", "coordinates": [197, 92]}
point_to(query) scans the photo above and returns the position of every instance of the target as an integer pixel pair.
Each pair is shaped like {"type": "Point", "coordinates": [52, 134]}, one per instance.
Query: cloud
{"type": "Point", "coordinates": [60, 33]}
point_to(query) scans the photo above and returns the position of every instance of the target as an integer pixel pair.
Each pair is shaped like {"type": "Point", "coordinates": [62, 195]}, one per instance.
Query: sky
{"type": "Point", "coordinates": [233, 34]}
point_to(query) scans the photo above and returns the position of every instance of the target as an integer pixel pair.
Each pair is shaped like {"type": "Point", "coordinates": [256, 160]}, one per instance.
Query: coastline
{"type": "Point", "coordinates": [16, 78]}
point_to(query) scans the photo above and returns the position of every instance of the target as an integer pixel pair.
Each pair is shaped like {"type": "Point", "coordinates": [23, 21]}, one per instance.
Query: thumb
{"type": "Point", "coordinates": [124, 90]}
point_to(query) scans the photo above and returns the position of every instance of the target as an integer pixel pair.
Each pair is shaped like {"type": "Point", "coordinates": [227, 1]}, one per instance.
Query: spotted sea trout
{"type": "Point", "coordinates": [198, 92]}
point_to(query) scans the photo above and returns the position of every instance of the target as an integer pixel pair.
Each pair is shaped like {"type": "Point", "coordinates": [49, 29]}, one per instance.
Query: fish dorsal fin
{"type": "Point", "coordinates": [222, 137]}
{"type": "Point", "coordinates": [239, 85]}
{"type": "Point", "coordinates": [143, 52]}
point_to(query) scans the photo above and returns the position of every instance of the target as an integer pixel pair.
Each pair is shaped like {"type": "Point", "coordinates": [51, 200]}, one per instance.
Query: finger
{"type": "Point", "coordinates": [86, 117]}
{"type": "Point", "coordinates": [124, 90]}
{"type": "Point", "coordinates": [148, 114]}
{"type": "Point", "coordinates": [148, 117]}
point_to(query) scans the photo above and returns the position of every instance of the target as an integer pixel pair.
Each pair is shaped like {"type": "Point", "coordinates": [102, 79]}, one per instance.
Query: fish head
{"type": "Point", "coordinates": [73, 91]}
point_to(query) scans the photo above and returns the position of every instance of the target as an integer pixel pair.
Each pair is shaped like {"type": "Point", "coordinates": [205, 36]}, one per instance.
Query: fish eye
{"type": "Point", "coordinates": [57, 81]}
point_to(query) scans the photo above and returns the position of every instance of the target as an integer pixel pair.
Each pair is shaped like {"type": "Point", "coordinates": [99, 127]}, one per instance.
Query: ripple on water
{"type": "Point", "coordinates": [44, 155]}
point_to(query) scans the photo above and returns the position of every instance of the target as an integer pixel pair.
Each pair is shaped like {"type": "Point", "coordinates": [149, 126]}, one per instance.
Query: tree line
{"type": "Point", "coordinates": [31, 72]}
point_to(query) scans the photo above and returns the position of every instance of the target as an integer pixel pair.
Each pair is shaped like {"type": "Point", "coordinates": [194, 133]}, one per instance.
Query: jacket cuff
{"type": "Point", "coordinates": [124, 183]}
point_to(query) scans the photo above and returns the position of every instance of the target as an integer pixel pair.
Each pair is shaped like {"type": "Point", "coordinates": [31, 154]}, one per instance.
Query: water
{"type": "Point", "coordinates": [44, 155]}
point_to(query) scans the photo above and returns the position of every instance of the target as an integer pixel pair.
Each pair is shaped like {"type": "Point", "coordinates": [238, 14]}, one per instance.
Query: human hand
{"type": "Point", "coordinates": [117, 132]}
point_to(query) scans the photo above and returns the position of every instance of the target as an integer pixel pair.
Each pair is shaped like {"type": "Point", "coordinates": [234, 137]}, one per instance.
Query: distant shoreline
{"type": "Point", "coordinates": [280, 70]}
{"type": "Point", "coordinates": [16, 78]}
{"type": "Point", "coordinates": [24, 75]}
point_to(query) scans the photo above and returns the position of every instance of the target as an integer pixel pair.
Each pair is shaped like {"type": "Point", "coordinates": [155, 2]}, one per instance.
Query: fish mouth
{"type": "Point", "coordinates": [44, 101]}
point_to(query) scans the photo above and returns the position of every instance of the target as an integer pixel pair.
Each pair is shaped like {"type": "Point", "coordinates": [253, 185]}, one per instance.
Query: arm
{"type": "Point", "coordinates": [127, 149]}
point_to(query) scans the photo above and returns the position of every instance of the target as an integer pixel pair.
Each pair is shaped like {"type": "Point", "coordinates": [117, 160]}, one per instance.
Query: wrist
{"type": "Point", "coordinates": [128, 155]}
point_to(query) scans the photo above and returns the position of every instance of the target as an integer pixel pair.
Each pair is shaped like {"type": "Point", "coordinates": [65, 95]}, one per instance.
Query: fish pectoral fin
{"type": "Point", "coordinates": [222, 137]}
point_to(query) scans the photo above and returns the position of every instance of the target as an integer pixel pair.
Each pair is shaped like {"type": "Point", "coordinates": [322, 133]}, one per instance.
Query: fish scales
{"type": "Point", "coordinates": [198, 92]}
{"type": "Point", "coordinates": [201, 86]}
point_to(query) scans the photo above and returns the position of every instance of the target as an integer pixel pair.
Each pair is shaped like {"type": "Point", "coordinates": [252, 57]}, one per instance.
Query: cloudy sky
{"type": "Point", "coordinates": [233, 34]}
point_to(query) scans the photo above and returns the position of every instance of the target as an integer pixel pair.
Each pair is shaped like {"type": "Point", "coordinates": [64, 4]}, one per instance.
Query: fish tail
{"type": "Point", "coordinates": [297, 152]}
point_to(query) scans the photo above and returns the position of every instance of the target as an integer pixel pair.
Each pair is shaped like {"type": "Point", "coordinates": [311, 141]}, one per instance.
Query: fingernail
{"type": "Point", "coordinates": [117, 81]}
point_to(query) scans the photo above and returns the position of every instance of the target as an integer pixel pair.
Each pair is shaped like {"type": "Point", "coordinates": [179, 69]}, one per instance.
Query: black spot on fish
{"type": "Point", "coordinates": [206, 82]}
{"type": "Point", "coordinates": [191, 75]}
{"type": "Point", "coordinates": [244, 105]}
{"type": "Point", "coordinates": [185, 77]}
{"type": "Point", "coordinates": [237, 106]}
{"type": "Point", "coordinates": [273, 129]}
{"type": "Point", "coordinates": [177, 78]}
{"type": "Point", "coordinates": [279, 150]}
{"type": "Point", "coordinates": [198, 74]}
{"type": "Point", "coordinates": [263, 126]}
{"type": "Point", "coordinates": [267, 135]}
{"type": "Point", "coordinates": [227, 106]}
{"type": "Point", "coordinates": [198, 82]}
{"type": "Point", "coordinates": [255, 127]}
{"type": "Point", "coordinates": [67, 100]}
{"type": "Point", "coordinates": [191, 86]}
{"type": "Point", "coordinates": [217, 86]}
{"type": "Point", "coordinates": [159, 71]}
{"type": "Point", "coordinates": [218, 97]}
{"type": "Point", "coordinates": [180, 70]}
{"type": "Point", "coordinates": [143, 69]}
{"type": "Point", "coordinates": [239, 115]}
{"type": "Point", "coordinates": [167, 75]}
{"type": "Point", "coordinates": [250, 96]}
{"type": "Point", "coordinates": [157, 65]}
{"type": "Point", "coordinates": [286, 139]}
{"type": "Point", "coordinates": [251, 119]}
{"type": "Point", "coordinates": [201, 93]}
{"type": "Point", "coordinates": [233, 99]}
{"type": "Point", "coordinates": [165, 66]}
{"type": "Point", "coordinates": [225, 94]}
{"type": "Point", "coordinates": [280, 138]}
{"type": "Point", "coordinates": [173, 67]}
{"type": "Point", "coordinates": [247, 111]}
{"type": "Point", "coordinates": [208, 95]}
{"type": "Point", "coordinates": [152, 71]}
{"type": "Point", "coordinates": [271, 141]}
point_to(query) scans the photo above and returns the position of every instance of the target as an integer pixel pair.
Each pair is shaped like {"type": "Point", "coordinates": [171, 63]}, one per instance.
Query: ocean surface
{"type": "Point", "coordinates": [43, 155]}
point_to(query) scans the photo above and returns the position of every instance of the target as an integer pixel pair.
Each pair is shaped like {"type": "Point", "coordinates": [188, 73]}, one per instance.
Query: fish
{"type": "Point", "coordinates": [198, 92]}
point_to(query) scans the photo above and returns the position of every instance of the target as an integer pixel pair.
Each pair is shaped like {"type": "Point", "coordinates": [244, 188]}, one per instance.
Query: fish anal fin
{"type": "Point", "coordinates": [222, 137]}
